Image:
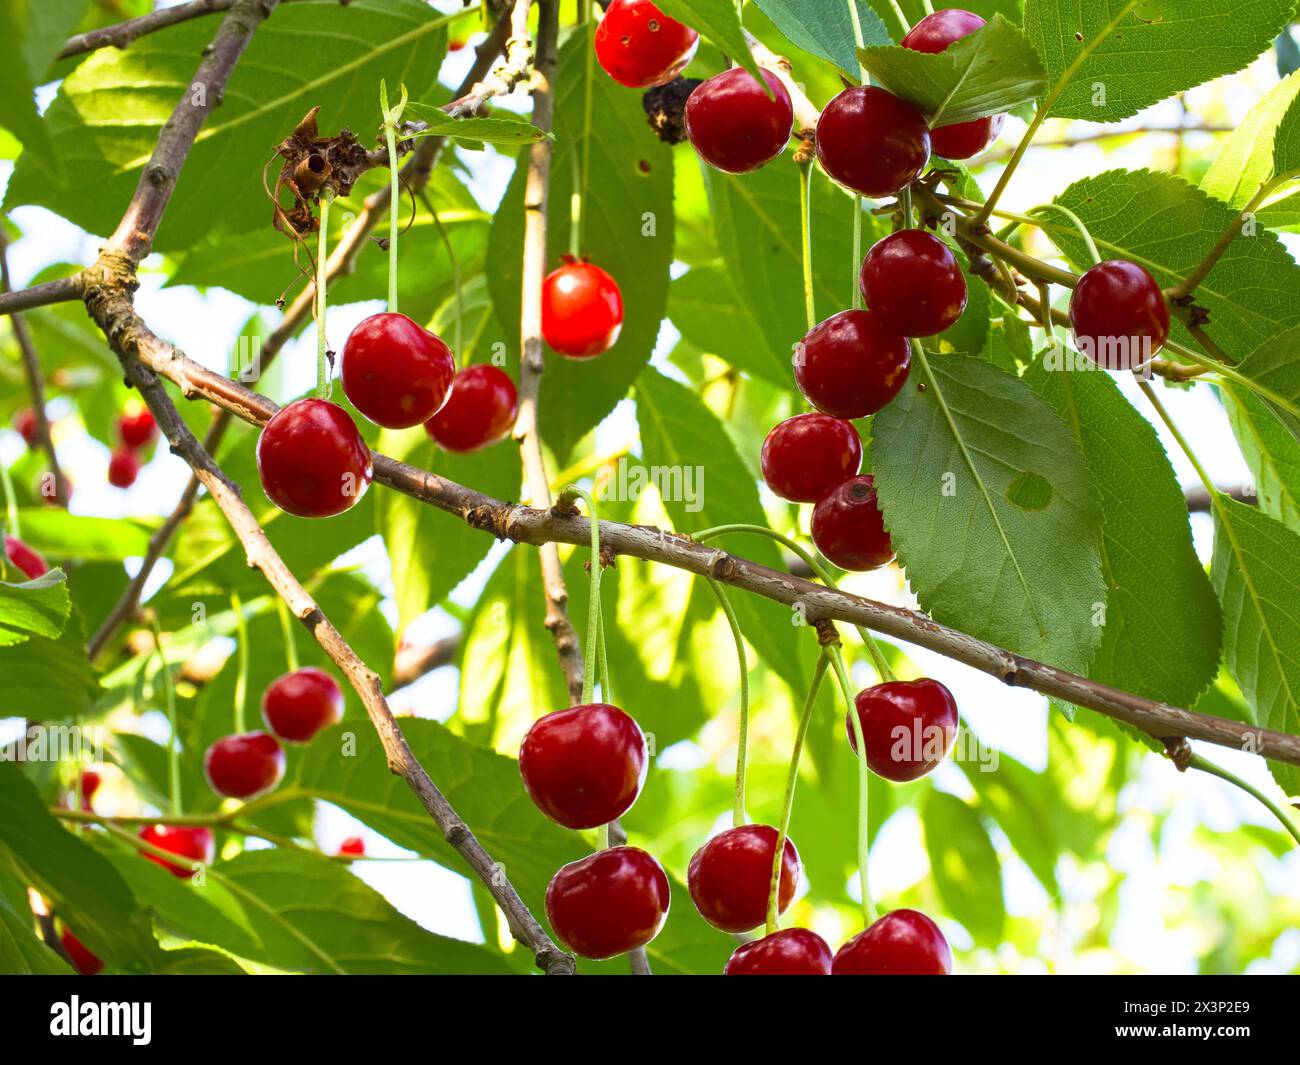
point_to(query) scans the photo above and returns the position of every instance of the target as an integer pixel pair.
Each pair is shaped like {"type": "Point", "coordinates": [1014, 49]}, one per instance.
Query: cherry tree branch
{"type": "Point", "coordinates": [64, 290]}
{"type": "Point", "coordinates": [125, 33]}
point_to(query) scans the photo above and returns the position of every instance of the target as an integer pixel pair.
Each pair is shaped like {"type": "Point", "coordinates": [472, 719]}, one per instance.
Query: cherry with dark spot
{"type": "Point", "coordinates": [849, 529]}
{"type": "Point", "coordinates": [639, 46]}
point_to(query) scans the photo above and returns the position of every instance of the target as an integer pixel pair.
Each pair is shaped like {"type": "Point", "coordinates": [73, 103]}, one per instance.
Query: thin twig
{"type": "Point", "coordinates": [123, 34]}
{"type": "Point", "coordinates": [64, 290]}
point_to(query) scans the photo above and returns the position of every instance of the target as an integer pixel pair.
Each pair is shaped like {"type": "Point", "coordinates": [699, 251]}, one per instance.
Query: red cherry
{"type": "Point", "coordinates": [396, 372]}
{"type": "Point", "coordinates": [480, 410]}
{"type": "Point", "coordinates": [582, 310]}
{"type": "Point", "coordinates": [934, 34]}
{"type": "Point", "coordinates": [193, 843]}
{"type": "Point", "coordinates": [25, 558]}
{"type": "Point", "coordinates": [244, 765]}
{"type": "Point", "coordinates": [608, 903]}
{"type": "Point", "coordinates": [298, 705]}
{"type": "Point", "coordinates": [791, 952]}
{"type": "Point", "coordinates": [902, 943]}
{"type": "Point", "coordinates": [850, 365]}
{"type": "Point", "coordinates": [353, 845]}
{"type": "Point", "coordinates": [734, 125]}
{"type": "Point", "coordinates": [25, 424]}
{"type": "Point", "coordinates": [86, 963]}
{"type": "Point", "coordinates": [804, 457]}
{"type": "Point", "coordinates": [872, 142]}
{"type": "Point", "coordinates": [908, 726]}
{"type": "Point", "coordinates": [965, 139]}
{"type": "Point", "coordinates": [584, 766]}
{"type": "Point", "coordinates": [913, 282]}
{"type": "Point", "coordinates": [90, 782]}
{"type": "Point", "coordinates": [123, 469]}
{"type": "Point", "coordinates": [639, 46]}
{"type": "Point", "coordinates": [849, 529]}
{"type": "Point", "coordinates": [1119, 315]}
{"type": "Point", "coordinates": [136, 427]}
{"type": "Point", "coordinates": [312, 460]}
{"type": "Point", "coordinates": [730, 877]}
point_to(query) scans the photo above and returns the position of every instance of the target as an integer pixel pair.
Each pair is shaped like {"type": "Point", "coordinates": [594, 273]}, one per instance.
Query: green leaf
{"type": "Point", "coordinates": [1270, 450]}
{"type": "Point", "coordinates": [717, 21]}
{"type": "Point", "coordinates": [1286, 146]}
{"type": "Point", "coordinates": [992, 71]}
{"type": "Point", "coordinates": [823, 28]}
{"type": "Point", "coordinates": [980, 484]}
{"type": "Point", "coordinates": [1273, 372]}
{"type": "Point", "coordinates": [704, 306]}
{"type": "Point", "coordinates": [1116, 57]}
{"type": "Point", "coordinates": [21, 951]}
{"type": "Point", "coordinates": [964, 866]}
{"type": "Point", "coordinates": [32, 32]}
{"type": "Point", "coordinates": [34, 608]}
{"type": "Point", "coordinates": [1245, 158]}
{"type": "Point", "coordinates": [507, 131]}
{"type": "Point", "coordinates": [41, 673]}
{"type": "Point", "coordinates": [57, 534]}
{"type": "Point", "coordinates": [1256, 573]}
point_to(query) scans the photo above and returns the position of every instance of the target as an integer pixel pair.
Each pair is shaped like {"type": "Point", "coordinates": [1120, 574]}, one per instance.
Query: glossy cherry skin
{"type": "Point", "coordinates": [908, 726]}
{"type": "Point", "coordinates": [123, 468]}
{"type": "Point", "coordinates": [734, 125]}
{"type": "Point", "coordinates": [804, 457]}
{"type": "Point", "coordinates": [395, 371]}
{"type": "Point", "coordinates": [354, 846]}
{"type": "Point", "coordinates": [1119, 315]}
{"type": "Point", "coordinates": [136, 427]}
{"type": "Point", "coordinates": [914, 283]}
{"type": "Point", "coordinates": [731, 875]}
{"type": "Point", "coordinates": [298, 705]}
{"type": "Point", "coordinates": [639, 46]}
{"type": "Point", "coordinates": [850, 365]}
{"type": "Point", "coordinates": [582, 310]}
{"type": "Point", "coordinates": [902, 943]}
{"type": "Point", "coordinates": [584, 766]}
{"type": "Point", "coordinates": [848, 528]}
{"type": "Point", "coordinates": [480, 410]}
{"type": "Point", "coordinates": [244, 765]}
{"type": "Point", "coordinates": [25, 425]}
{"type": "Point", "coordinates": [25, 558]}
{"type": "Point", "coordinates": [312, 460]}
{"type": "Point", "coordinates": [872, 142]}
{"type": "Point", "coordinates": [934, 34]}
{"type": "Point", "coordinates": [791, 952]}
{"type": "Point", "coordinates": [86, 963]}
{"type": "Point", "coordinates": [190, 843]}
{"type": "Point", "coordinates": [608, 903]}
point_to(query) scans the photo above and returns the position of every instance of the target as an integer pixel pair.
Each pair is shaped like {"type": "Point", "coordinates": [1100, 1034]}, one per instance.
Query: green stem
{"type": "Point", "coordinates": [787, 805]}
{"type": "Point", "coordinates": [11, 507]}
{"type": "Point", "coordinates": [602, 838]}
{"type": "Point", "coordinates": [1178, 436]}
{"type": "Point", "coordinates": [898, 13]}
{"type": "Point", "coordinates": [846, 688]}
{"type": "Point", "coordinates": [241, 678]}
{"type": "Point", "coordinates": [805, 226]}
{"type": "Point", "coordinates": [1218, 771]}
{"type": "Point", "coordinates": [173, 743]}
{"type": "Point", "coordinates": [287, 633]}
{"type": "Point", "coordinates": [1078, 224]}
{"type": "Point", "coordinates": [593, 599]}
{"type": "Point", "coordinates": [857, 253]}
{"type": "Point", "coordinates": [606, 692]}
{"type": "Point", "coordinates": [742, 743]}
{"type": "Point", "coordinates": [1226, 371]}
{"type": "Point", "coordinates": [391, 117]}
{"type": "Point", "coordinates": [445, 236]}
{"type": "Point", "coordinates": [905, 204]}
{"type": "Point", "coordinates": [858, 41]}
{"type": "Point", "coordinates": [575, 209]}
{"type": "Point", "coordinates": [322, 298]}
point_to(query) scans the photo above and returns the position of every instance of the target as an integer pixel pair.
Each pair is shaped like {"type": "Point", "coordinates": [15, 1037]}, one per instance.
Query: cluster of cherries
{"type": "Point", "coordinates": [135, 430]}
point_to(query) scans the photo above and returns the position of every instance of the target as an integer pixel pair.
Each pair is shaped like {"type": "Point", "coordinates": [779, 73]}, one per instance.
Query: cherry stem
{"type": "Point", "coordinates": [602, 838]}
{"type": "Point", "coordinates": [241, 678]}
{"type": "Point", "coordinates": [173, 741]}
{"type": "Point", "coordinates": [805, 225]}
{"type": "Point", "coordinates": [1150, 393]}
{"type": "Point", "coordinates": [1218, 771]}
{"type": "Point", "coordinates": [286, 631]}
{"type": "Point", "coordinates": [898, 12]}
{"type": "Point", "coordinates": [322, 299]}
{"type": "Point", "coordinates": [787, 805]}
{"type": "Point", "coordinates": [859, 43]}
{"type": "Point", "coordinates": [77, 783]}
{"type": "Point", "coordinates": [1226, 371]}
{"type": "Point", "coordinates": [606, 692]}
{"type": "Point", "coordinates": [567, 497]}
{"type": "Point", "coordinates": [391, 117]}
{"type": "Point", "coordinates": [582, 170]}
{"type": "Point", "coordinates": [1093, 253]}
{"type": "Point", "coordinates": [445, 235]}
{"type": "Point", "coordinates": [846, 687]}
{"type": "Point", "coordinates": [857, 252]}
{"type": "Point", "coordinates": [742, 742]}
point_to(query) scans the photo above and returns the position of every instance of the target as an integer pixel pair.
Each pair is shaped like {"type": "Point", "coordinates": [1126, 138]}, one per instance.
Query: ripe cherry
{"type": "Point", "coordinates": [639, 46]}
{"type": "Point", "coordinates": [85, 962]}
{"type": "Point", "coordinates": [914, 283]}
{"type": "Point", "coordinates": [849, 529]}
{"type": "Point", "coordinates": [791, 952]}
{"type": "Point", "coordinates": [396, 372]}
{"type": "Point", "coordinates": [244, 765]}
{"type": "Point", "coordinates": [608, 903]}
{"type": "Point", "coordinates": [312, 460]}
{"type": "Point", "coordinates": [934, 34]}
{"type": "Point", "coordinates": [582, 309]}
{"type": "Point", "coordinates": [584, 766]}
{"type": "Point", "coordinates": [123, 468]}
{"type": "Point", "coordinates": [850, 365]}
{"type": "Point", "coordinates": [25, 425]}
{"type": "Point", "coordinates": [908, 726]}
{"type": "Point", "coordinates": [136, 427]}
{"type": "Point", "coordinates": [480, 410]}
{"type": "Point", "coordinates": [902, 943]}
{"type": "Point", "coordinates": [734, 125]}
{"type": "Point", "coordinates": [192, 843]}
{"type": "Point", "coordinates": [90, 781]}
{"type": "Point", "coordinates": [298, 705]}
{"type": "Point", "coordinates": [872, 142]}
{"type": "Point", "coordinates": [354, 846]}
{"type": "Point", "coordinates": [730, 877]}
{"type": "Point", "coordinates": [25, 558]}
{"type": "Point", "coordinates": [1119, 315]}
{"type": "Point", "coordinates": [804, 457]}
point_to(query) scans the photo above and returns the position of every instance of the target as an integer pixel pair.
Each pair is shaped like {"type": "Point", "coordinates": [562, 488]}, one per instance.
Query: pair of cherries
{"type": "Point", "coordinates": [901, 943]}
{"type": "Point", "coordinates": [137, 430]}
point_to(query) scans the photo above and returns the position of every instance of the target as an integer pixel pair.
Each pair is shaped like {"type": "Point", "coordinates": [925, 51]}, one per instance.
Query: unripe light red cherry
{"type": "Point", "coordinates": [872, 142]}
{"type": "Point", "coordinates": [908, 726]}
{"type": "Point", "coordinates": [190, 843]}
{"type": "Point", "coordinates": [804, 457]}
{"type": "Point", "coordinates": [480, 410]}
{"type": "Point", "coordinates": [584, 766]}
{"type": "Point", "coordinates": [734, 125]}
{"type": "Point", "coordinates": [730, 877]}
{"type": "Point", "coordinates": [850, 365]}
{"type": "Point", "coordinates": [312, 460]}
{"type": "Point", "coordinates": [298, 705]}
{"type": "Point", "coordinates": [83, 960]}
{"type": "Point", "coordinates": [244, 765]}
{"type": "Point", "coordinates": [1119, 315]}
{"type": "Point", "coordinates": [639, 46]}
{"type": "Point", "coordinates": [27, 560]}
{"type": "Point", "coordinates": [914, 283]}
{"type": "Point", "coordinates": [395, 371]}
{"type": "Point", "coordinates": [934, 34]}
{"type": "Point", "coordinates": [848, 528]}
{"type": "Point", "coordinates": [354, 846]}
{"type": "Point", "coordinates": [582, 310]}
{"type": "Point", "coordinates": [123, 468]}
{"type": "Point", "coordinates": [136, 427]}
{"type": "Point", "coordinates": [790, 952]}
{"type": "Point", "coordinates": [902, 943]}
{"type": "Point", "coordinates": [608, 903]}
{"type": "Point", "coordinates": [25, 425]}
